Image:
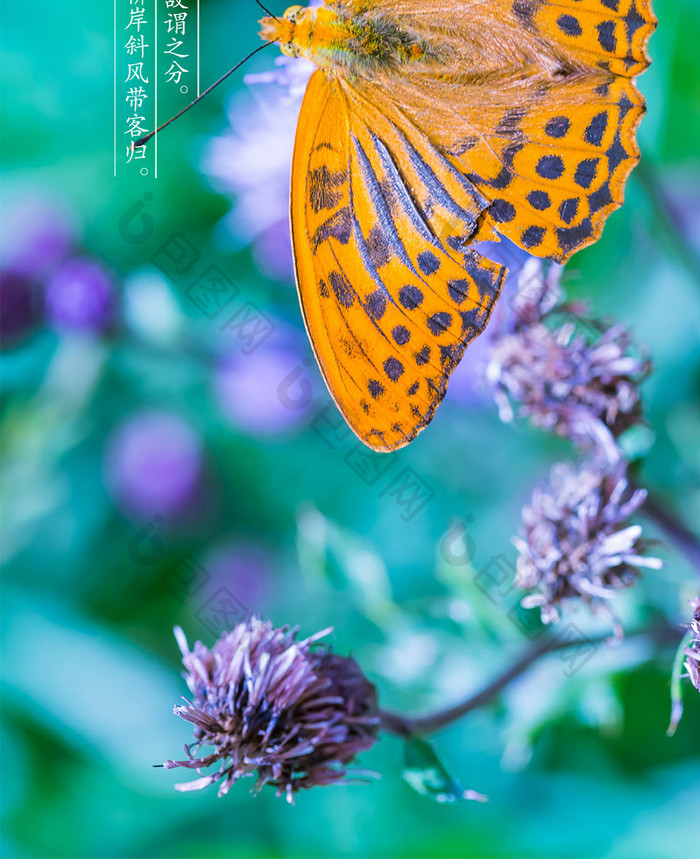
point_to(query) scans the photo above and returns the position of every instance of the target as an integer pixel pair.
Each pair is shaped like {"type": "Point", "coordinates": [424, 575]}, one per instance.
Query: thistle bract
{"type": "Point", "coordinates": [577, 541]}
{"type": "Point", "coordinates": [290, 712]}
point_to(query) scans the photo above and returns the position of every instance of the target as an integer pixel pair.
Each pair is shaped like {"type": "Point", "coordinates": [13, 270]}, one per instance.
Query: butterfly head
{"type": "Point", "coordinates": [301, 31]}
{"type": "Point", "coordinates": [284, 30]}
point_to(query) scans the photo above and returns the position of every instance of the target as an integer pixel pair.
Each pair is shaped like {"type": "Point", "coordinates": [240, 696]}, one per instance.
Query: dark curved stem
{"type": "Point", "coordinates": [406, 726]}
{"type": "Point", "coordinates": [675, 530]}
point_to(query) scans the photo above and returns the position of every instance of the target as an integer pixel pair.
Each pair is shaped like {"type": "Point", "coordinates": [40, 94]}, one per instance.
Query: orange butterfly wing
{"type": "Point", "coordinates": [389, 308]}
{"type": "Point", "coordinates": [522, 124]}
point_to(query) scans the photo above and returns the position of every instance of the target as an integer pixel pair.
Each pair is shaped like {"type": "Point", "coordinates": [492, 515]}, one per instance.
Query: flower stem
{"type": "Point", "coordinates": [406, 726]}
{"type": "Point", "coordinates": [683, 538]}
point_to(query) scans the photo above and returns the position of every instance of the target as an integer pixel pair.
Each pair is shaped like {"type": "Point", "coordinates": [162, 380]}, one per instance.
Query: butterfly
{"type": "Point", "coordinates": [428, 126]}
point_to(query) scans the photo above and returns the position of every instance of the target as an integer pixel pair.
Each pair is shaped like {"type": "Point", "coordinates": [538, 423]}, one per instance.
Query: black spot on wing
{"type": "Point", "coordinates": [338, 226]}
{"type": "Point", "coordinates": [472, 319]}
{"type": "Point", "coordinates": [625, 105]}
{"type": "Point", "coordinates": [378, 251]}
{"type": "Point", "coordinates": [596, 129]}
{"type": "Point", "coordinates": [451, 355]}
{"type": "Point", "coordinates": [375, 305]}
{"type": "Point", "coordinates": [401, 335]}
{"type": "Point", "coordinates": [375, 388]}
{"type": "Point", "coordinates": [428, 263]}
{"type": "Point", "coordinates": [532, 236]}
{"type": "Point", "coordinates": [502, 211]}
{"type": "Point", "coordinates": [508, 126]}
{"type": "Point", "coordinates": [586, 172]}
{"type": "Point", "coordinates": [325, 188]}
{"type": "Point", "coordinates": [509, 153]}
{"type": "Point", "coordinates": [488, 282]}
{"type": "Point", "coordinates": [393, 368]}
{"type": "Point", "coordinates": [606, 36]}
{"type": "Point", "coordinates": [616, 154]}
{"type": "Point", "coordinates": [458, 290]}
{"type": "Point", "coordinates": [568, 210]}
{"type": "Point", "coordinates": [557, 127]}
{"type": "Point", "coordinates": [503, 180]}
{"type": "Point", "coordinates": [463, 145]}
{"type": "Point", "coordinates": [422, 356]}
{"type": "Point", "coordinates": [342, 289]}
{"type": "Point", "coordinates": [550, 167]}
{"type": "Point", "coordinates": [539, 200]}
{"type": "Point", "coordinates": [633, 21]}
{"type": "Point", "coordinates": [524, 10]}
{"type": "Point", "coordinates": [571, 238]}
{"type": "Point", "coordinates": [410, 297]}
{"type": "Point", "coordinates": [569, 25]}
{"type": "Point", "coordinates": [601, 198]}
{"type": "Point", "coordinates": [438, 323]}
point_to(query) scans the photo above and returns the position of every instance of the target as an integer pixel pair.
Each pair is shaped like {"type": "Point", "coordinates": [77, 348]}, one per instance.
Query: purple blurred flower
{"type": "Point", "coordinates": [584, 386]}
{"type": "Point", "coordinates": [80, 296]}
{"type": "Point", "coordinates": [577, 541]}
{"type": "Point", "coordinates": [154, 465]}
{"type": "Point", "coordinates": [37, 235]}
{"type": "Point", "coordinates": [266, 393]}
{"type": "Point", "coordinates": [293, 714]}
{"type": "Point", "coordinates": [244, 568]}
{"type": "Point", "coordinates": [19, 306]}
{"type": "Point", "coordinates": [252, 162]}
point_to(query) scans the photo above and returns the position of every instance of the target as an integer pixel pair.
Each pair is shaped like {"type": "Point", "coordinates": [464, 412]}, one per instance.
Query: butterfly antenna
{"type": "Point", "coordinates": [266, 10]}
{"type": "Point", "coordinates": [146, 137]}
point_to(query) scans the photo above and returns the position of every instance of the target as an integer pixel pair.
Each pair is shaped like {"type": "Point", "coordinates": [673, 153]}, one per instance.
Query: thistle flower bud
{"type": "Point", "coordinates": [291, 712]}
{"type": "Point", "coordinates": [584, 386]}
{"type": "Point", "coordinates": [577, 541]}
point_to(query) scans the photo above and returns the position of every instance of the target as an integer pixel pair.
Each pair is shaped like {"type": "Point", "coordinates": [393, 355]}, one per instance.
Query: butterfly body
{"type": "Point", "coordinates": [431, 125]}
{"type": "Point", "coordinates": [353, 43]}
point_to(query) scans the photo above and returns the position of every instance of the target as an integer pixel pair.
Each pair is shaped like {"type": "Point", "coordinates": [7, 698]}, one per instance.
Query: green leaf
{"type": "Point", "coordinates": [426, 774]}
{"type": "Point", "coordinates": [347, 563]}
{"type": "Point", "coordinates": [677, 686]}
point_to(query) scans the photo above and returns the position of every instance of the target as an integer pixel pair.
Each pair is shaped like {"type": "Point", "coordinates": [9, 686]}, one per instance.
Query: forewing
{"type": "Point", "coordinates": [389, 298]}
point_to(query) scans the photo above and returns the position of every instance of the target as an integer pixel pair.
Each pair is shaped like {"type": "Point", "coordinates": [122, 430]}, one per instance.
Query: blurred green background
{"type": "Point", "coordinates": [154, 474]}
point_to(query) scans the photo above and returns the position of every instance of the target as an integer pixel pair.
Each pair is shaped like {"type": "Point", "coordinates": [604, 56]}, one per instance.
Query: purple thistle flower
{"type": "Point", "coordinates": [692, 651]}
{"type": "Point", "coordinates": [292, 713]}
{"type": "Point", "coordinates": [577, 541]}
{"type": "Point", "coordinates": [581, 386]}
{"type": "Point", "coordinates": [80, 296]}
